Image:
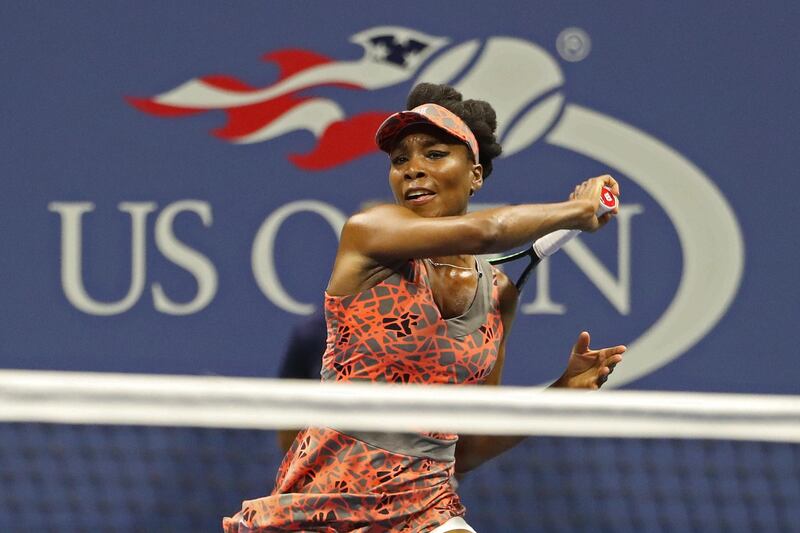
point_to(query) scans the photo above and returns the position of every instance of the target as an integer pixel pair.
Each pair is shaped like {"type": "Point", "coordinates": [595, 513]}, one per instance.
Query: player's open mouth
{"type": "Point", "coordinates": [419, 196]}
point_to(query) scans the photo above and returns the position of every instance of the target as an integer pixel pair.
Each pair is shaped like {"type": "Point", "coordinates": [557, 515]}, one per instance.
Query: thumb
{"type": "Point", "coordinates": [582, 344]}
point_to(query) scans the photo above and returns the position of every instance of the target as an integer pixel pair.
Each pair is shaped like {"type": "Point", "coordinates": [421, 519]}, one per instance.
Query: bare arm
{"type": "Point", "coordinates": [393, 232]}
{"type": "Point", "coordinates": [385, 236]}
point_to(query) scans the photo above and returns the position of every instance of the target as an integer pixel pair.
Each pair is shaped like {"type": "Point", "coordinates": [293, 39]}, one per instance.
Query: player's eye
{"type": "Point", "coordinates": [399, 160]}
{"type": "Point", "coordinates": [437, 154]}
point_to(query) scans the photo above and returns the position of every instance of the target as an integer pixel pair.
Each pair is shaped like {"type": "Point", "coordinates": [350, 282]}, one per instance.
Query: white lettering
{"type": "Point", "coordinates": [617, 291]}
{"type": "Point", "coordinates": [543, 305]}
{"type": "Point", "coordinates": [71, 255]}
{"type": "Point", "coordinates": [190, 259]}
{"type": "Point", "coordinates": [263, 259]}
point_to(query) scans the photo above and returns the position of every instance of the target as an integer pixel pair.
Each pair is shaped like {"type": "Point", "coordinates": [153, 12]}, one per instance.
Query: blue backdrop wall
{"type": "Point", "coordinates": [175, 175]}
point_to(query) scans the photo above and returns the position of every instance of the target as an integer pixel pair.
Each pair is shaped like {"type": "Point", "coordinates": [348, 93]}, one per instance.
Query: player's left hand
{"type": "Point", "coordinates": [587, 368]}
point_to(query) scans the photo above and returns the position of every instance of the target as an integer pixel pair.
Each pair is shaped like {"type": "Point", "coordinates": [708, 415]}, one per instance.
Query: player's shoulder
{"type": "Point", "coordinates": [375, 216]}
{"type": "Point", "coordinates": [380, 210]}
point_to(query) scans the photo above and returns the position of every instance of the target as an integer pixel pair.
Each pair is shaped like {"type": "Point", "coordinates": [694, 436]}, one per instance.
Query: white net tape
{"type": "Point", "coordinates": [249, 403]}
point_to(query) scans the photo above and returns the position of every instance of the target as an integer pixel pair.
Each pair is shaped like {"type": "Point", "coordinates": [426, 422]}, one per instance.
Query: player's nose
{"type": "Point", "coordinates": [414, 170]}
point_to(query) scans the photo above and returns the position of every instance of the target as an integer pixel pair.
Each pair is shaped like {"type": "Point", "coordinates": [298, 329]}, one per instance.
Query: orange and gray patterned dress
{"type": "Point", "coordinates": [332, 481]}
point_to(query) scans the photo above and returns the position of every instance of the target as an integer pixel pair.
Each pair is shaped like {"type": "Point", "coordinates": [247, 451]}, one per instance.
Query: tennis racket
{"type": "Point", "coordinates": [552, 242]}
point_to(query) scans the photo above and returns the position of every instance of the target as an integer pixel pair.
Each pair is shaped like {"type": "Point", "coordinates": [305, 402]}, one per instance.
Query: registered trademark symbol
{"type": "Point", "coordinates": [573, 44]}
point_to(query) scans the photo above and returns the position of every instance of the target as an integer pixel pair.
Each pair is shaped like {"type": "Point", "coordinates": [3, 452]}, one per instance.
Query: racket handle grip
{"type": "Point", "coordinates": [552, 242]}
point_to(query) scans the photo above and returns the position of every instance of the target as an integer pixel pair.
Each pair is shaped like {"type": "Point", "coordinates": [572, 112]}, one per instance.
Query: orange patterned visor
{"type": "Point", "coordinates": [426, 114]}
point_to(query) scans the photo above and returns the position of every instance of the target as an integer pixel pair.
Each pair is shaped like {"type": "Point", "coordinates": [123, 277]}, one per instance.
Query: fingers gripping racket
{"type": "Point", "coordinates": [552, 242]}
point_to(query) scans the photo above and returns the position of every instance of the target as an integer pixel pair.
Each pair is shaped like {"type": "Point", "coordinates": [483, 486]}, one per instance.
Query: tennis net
{"type": "Point", "coordinates": [89, 452]}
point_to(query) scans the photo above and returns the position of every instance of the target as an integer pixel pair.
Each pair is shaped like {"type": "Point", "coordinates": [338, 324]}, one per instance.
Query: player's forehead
{"type": "Point", "coordinates": [423, 136]}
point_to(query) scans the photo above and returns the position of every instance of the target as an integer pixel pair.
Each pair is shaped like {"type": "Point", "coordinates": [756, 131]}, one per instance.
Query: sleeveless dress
{"type": "Point", "coordinates": [367, 482]}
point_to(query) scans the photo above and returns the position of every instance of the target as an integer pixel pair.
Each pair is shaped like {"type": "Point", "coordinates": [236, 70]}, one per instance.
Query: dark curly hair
{"type": "Point", "coordinates": [477, 114]}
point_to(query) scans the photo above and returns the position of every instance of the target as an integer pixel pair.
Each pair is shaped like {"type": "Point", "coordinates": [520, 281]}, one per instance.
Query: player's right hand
{"type": "Point", "coordinates": [591, 190]}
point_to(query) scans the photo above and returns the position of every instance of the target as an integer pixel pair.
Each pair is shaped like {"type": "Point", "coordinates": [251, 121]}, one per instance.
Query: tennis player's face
{"type": "Point", "coordinates": [432, 173]}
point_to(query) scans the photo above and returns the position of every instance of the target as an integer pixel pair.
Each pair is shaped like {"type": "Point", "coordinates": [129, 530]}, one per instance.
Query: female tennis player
{"type": "Point", "coordinates": [409, 302]}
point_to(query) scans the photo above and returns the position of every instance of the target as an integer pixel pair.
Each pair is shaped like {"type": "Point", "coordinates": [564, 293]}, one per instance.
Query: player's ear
{"type": "Point", "coordinates": [477, 179]}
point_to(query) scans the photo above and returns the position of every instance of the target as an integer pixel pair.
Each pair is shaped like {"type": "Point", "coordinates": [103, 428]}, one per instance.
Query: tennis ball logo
{"type": "Point", "coordinates": [523, 82]}
{"type": "Point", "coordinates": [519, 78]}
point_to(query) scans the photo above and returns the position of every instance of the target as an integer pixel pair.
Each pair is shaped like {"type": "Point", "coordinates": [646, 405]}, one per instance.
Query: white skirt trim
{"type": "Point", "coordinates": [454, 523]}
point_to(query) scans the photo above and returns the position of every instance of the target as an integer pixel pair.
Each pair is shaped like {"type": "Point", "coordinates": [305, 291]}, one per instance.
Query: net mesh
{"type": "Point", "coordinates": [122, 477]}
